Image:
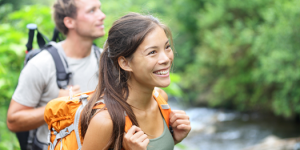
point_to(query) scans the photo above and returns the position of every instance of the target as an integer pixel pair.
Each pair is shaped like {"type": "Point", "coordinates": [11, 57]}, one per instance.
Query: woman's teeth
{"type": "Point", "coordinates": [162, 72]}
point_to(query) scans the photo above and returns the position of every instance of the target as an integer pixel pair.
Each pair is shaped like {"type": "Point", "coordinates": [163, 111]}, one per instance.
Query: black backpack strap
{"type": "Point", "coordinates": [63, 77]}
{"type": "Point", "coordinates": [41, 39]}
{"type": "Point", "coordinates": [55, 36]}
{"type": "Point", "coordinates": [23, 138]}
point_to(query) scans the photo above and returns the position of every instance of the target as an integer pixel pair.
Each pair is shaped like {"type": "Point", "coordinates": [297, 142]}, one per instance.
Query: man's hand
{"type": "Point", "coordinates": [181, 125]}
{"type": "Point", "coordinates": [66, 92]}
{"type": "Point", "coordinates": [135, 139]}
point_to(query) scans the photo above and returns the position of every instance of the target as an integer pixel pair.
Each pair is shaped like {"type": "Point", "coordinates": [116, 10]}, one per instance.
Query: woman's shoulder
{"type": "Point", "coordinates": [102, 118]}
{"type": "Point", "coordinates": [162, 93]}
{"type": "Point", "coordinates": [99, 131]}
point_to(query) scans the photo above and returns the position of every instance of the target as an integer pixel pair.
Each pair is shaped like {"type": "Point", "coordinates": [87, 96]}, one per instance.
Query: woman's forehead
{"type": "Point", "coordinates": [155, 38]}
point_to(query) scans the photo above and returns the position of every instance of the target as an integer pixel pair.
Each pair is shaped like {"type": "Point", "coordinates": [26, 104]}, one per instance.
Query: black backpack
{"type": "Point", "coordinates": [63, 76]}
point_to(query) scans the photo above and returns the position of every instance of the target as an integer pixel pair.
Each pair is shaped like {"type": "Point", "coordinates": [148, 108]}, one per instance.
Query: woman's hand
{"type": "Point", "coordinates": [135, 139]}
{"type": "Point", "coordinates": [180, 122]}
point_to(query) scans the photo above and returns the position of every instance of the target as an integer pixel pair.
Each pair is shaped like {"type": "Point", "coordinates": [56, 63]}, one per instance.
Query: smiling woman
{"type": "Point", "coordinates": [137, 58]}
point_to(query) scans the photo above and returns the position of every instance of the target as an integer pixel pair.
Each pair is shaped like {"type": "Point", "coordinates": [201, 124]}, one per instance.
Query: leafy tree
{"type": "Point", "coordinates": [247, 56]}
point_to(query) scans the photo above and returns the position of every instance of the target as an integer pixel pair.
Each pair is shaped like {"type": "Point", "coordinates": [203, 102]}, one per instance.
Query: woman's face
{"type": "Point", "coordinates": [152, 60]}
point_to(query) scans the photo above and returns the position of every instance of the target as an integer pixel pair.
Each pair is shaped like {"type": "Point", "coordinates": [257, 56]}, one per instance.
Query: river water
{"type": "Point", "coordinates": [215, 129]}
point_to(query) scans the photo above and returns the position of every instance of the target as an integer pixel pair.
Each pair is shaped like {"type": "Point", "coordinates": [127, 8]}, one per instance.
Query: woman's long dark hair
{"type": "Point", "coordinates": [124, 37]}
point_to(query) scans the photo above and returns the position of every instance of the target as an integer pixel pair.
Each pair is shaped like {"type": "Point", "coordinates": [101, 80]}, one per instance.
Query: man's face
{"type": "Point", "coordinates": [89, 19]}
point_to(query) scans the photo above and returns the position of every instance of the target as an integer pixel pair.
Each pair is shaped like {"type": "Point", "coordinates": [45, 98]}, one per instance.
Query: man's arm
{"type": "Point", "coordinates": [24, 118]}
{"type": "Point", "coordinates": [22, 114]}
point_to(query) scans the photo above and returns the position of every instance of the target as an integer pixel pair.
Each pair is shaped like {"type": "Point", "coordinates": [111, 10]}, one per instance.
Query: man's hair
{"type": "Point", "coordinates": [62, 9]}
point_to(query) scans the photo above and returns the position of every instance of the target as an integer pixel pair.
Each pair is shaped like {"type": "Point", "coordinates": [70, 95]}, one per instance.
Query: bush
{"type": "Point", "coordinates": [247, 56]}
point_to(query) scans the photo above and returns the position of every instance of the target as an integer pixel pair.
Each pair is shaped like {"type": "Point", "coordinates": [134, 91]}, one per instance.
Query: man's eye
{"type": "Point", "coordinates": [91, 11]}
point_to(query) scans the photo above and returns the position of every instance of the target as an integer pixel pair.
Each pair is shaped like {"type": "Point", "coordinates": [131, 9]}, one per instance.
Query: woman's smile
{"type": "Point", "coordinates": [162, 72]}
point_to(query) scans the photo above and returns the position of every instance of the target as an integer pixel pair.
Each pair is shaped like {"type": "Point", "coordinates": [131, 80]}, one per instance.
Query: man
{"type": "Point", "coordinates": [81, 21]}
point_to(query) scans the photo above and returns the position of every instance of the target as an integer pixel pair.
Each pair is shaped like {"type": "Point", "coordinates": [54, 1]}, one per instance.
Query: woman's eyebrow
{"type": "Point", "coordinates": [167, 42]}
{"type": "Point", "coordinates": [151, 47]}
{"type": "Point", "coordinates": [155, 46]}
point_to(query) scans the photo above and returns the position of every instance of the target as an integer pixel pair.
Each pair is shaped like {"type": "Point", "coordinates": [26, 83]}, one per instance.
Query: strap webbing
{"type": "Point", "coordinates": [97, 52]}
{"type": "Point", "coordinates": [63, 133]}
{"type": "Point", "coordinates": [61, 73]}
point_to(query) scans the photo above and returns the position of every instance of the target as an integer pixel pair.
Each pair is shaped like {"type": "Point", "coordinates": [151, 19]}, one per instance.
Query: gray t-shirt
{"type": "Point", "coordinates": [37, 82]}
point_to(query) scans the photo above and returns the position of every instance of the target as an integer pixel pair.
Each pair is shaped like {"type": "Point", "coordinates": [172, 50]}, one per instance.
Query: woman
{"type": "Point", "coordinates": [137, 58]}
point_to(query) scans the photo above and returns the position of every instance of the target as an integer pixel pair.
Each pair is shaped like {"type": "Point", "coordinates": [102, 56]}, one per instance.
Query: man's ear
{"type": "Point", "coordinates": [124, 64]}
{"type": "Point", "coordinates": [69, 22]}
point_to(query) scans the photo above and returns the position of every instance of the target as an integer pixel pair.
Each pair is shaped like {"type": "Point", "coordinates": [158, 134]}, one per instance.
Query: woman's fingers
{"type": "Point", "coordinates": [145, 142]}
{"type": "Point", "coordinates": [178, 114]}
{"type": "Point", "coordinates": [183, 127]}
{"type": "Point", "coordinates": [142, 138]}
{"type": "Point", "coordinates": [178, 122]}
{"type": "Point", "coordinates": [135, 138]}
{"type": "Point", "coordinates": [133, 130]}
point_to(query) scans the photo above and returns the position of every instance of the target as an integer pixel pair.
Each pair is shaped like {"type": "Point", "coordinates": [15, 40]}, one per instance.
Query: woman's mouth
{"type": "Point", "coordinates": [162, 72]}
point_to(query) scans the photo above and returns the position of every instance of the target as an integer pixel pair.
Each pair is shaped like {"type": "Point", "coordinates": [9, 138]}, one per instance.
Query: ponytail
{"type": "Point", "coordinates": [113, 88]}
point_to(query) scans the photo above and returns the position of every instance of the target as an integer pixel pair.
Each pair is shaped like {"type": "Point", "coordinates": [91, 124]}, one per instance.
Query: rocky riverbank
{"type": "Point", "coordinates": [275, 143]}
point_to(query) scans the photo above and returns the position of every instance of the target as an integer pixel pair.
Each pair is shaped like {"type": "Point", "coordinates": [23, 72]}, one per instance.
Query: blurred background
{"type": "Point", "coordinates": [236, 71]}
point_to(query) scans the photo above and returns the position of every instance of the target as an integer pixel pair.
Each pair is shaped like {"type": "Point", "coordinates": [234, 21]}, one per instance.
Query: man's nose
{"type": "Point", "coordinates": [101, 15]}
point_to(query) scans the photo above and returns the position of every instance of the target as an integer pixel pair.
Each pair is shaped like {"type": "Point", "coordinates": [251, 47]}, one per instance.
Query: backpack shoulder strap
{"type": "Point", "coordinates": [62, 76]}
{"type": "Point", "coordinates": [164, 107]}
{"type": "Point", "coordinates": [97, 52]}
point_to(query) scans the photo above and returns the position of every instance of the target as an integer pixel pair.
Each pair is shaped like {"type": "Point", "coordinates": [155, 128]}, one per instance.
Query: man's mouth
{"type": "Point", "coordinates": [100, 26]}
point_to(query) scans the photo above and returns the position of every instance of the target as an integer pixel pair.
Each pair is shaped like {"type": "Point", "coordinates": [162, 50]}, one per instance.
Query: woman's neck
{"type": "Point", "coordinates": [140, 97]}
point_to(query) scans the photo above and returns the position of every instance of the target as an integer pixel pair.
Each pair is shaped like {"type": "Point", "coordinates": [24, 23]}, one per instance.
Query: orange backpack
{"type": "Point", "coordinates": [63, 118]}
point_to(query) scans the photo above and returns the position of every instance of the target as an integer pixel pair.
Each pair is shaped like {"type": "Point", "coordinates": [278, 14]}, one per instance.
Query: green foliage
{"type": "Point", "coordinates": [174, 89]}
{"type": "Point", "coordinates": [247, 56]}
{"type": "Point", "coordinates": [8, 141]}
{"type": "Point", "coordinates": [181, 146]}
{"type": "Point", "coordinates": [17, 4]}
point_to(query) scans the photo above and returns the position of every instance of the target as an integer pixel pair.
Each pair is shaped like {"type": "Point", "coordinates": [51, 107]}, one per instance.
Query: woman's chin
{"type": "Point", "coordinates": [163, 85]}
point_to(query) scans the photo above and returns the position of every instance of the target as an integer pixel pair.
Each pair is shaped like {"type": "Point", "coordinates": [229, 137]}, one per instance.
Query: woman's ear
{"type": "Point", "coordinates": [124, 64]}
{"type": "Point", "coordinates": [69, 22]}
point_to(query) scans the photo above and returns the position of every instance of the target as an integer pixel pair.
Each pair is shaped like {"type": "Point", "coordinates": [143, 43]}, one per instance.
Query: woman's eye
{"type": "Point", "coordinates": [168, 46]}
{"type": "Point", "coordinates": [151, 53]}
